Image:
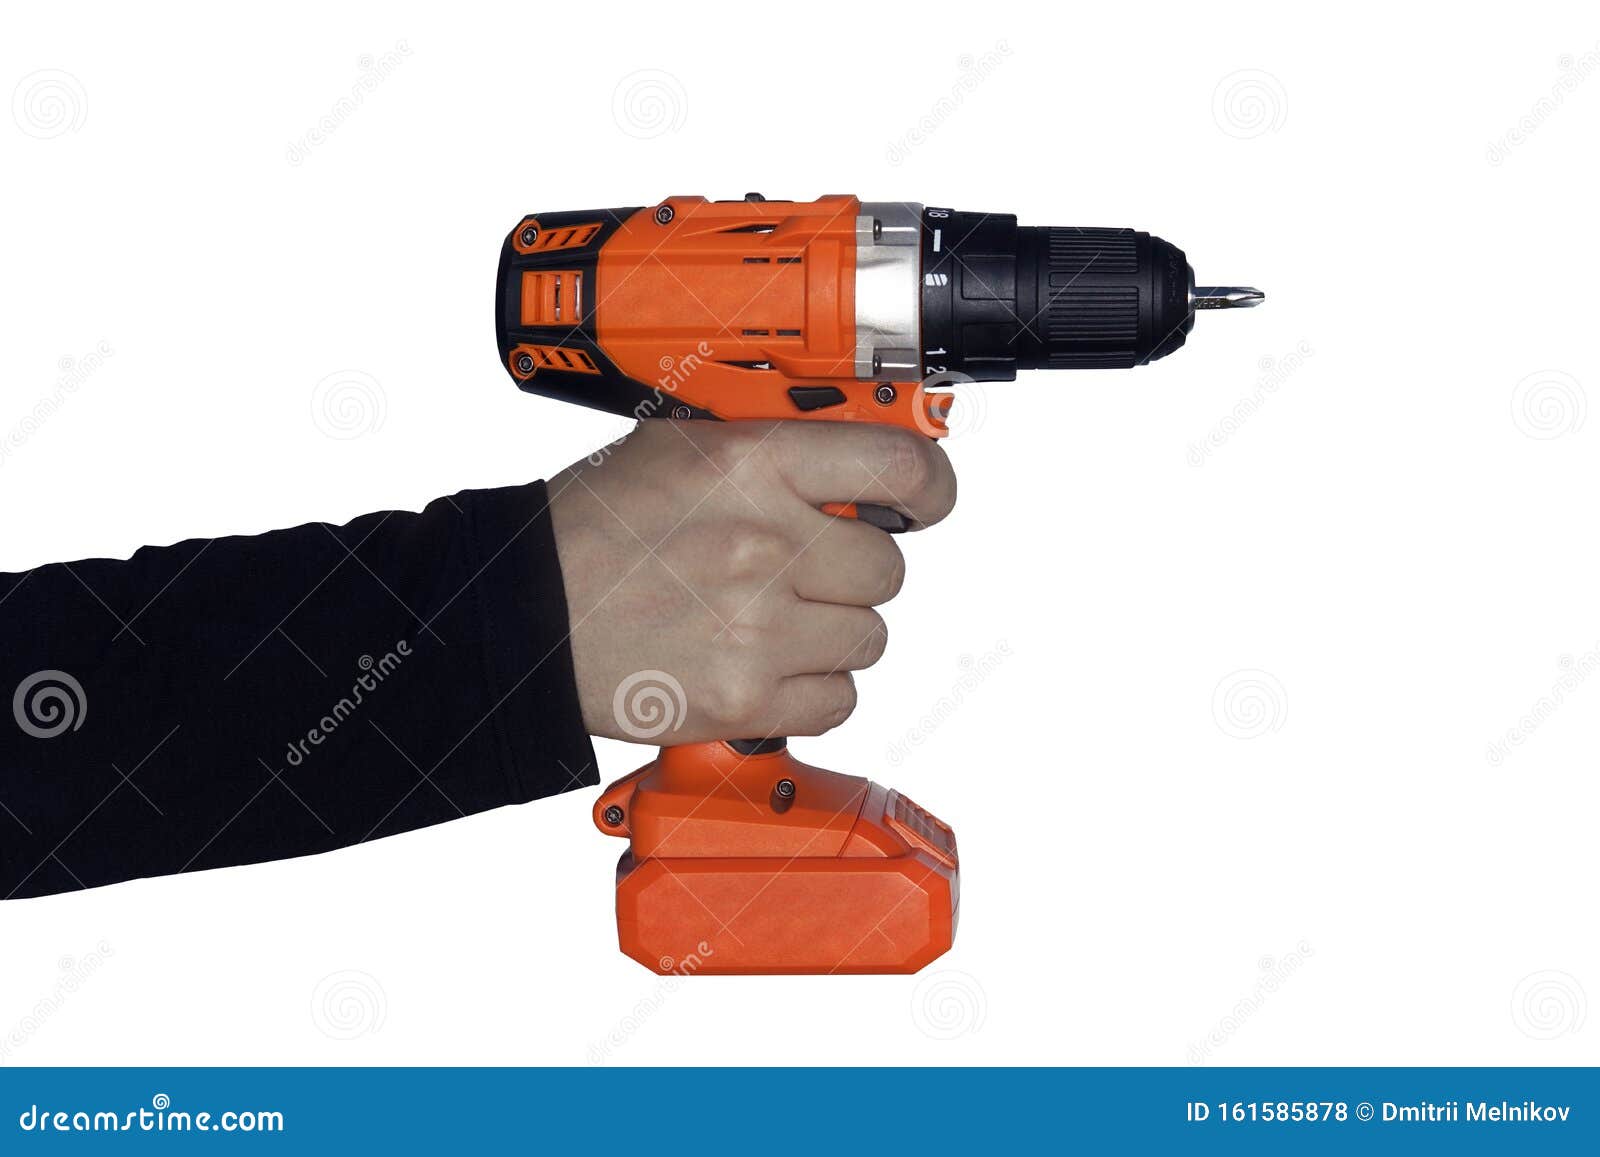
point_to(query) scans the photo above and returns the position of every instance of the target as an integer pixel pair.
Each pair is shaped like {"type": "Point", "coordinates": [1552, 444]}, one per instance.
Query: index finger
{"type": "Point", "coordinates": [860, 462]}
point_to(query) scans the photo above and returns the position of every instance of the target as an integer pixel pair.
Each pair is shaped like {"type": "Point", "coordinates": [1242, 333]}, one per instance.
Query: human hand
{"type": "Point", "coordinates": [709, 596]}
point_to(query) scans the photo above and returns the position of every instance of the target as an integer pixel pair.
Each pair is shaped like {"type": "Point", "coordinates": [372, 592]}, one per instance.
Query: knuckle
{"type": "Point", "coordinates": [733, 694]}
{"type": "Point", "coordinates": [736, 447]}
{"type": "Point", "coordinates": [756, 552]}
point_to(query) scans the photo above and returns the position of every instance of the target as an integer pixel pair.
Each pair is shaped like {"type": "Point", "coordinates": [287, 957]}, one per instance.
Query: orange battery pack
{"type": "Point", "coordinates": [742, 859]}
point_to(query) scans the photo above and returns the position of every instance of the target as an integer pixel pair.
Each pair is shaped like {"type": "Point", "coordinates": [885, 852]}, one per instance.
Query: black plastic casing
{"type": "Point", "coordinates": [998, 297]}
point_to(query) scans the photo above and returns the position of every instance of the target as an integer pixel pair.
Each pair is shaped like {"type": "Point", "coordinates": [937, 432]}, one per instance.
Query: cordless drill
{"type": "Point", "coordinates": [742, 859]}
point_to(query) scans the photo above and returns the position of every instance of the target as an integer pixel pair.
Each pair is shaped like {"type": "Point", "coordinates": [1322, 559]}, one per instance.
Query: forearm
{"type": "Point", "coordinates": [248, 699]}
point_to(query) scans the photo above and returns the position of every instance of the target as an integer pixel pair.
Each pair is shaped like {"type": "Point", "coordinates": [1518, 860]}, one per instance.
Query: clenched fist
{"type": "Point", "coordinates": [709, 596]}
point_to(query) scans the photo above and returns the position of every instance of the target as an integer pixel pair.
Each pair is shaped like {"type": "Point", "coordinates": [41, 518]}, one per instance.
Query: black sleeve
{"type": "Point", "coordinates": [234, 700]}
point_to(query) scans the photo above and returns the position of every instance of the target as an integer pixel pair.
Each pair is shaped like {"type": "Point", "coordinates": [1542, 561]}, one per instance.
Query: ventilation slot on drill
{"type": "Point", "coordinates": [1093, 250]}
{"type": "Point", "coordinates": [559, 237]}
{"type": "Point", "coordinates": [552, 297]}
{"type": "Point", "coordinates": [527, 360]}
{"type": "Point", "coordinates": [922, 828]}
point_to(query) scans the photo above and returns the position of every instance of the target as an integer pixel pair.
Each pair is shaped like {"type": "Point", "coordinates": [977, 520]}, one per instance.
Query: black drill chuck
{"type": "Point", "coordinates": [998, 297]}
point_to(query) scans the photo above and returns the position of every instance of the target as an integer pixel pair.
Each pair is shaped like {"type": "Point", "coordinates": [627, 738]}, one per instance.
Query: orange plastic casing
{"type": "Point", "coordinates": [726, 873]}
{"type": "Point", "coordinates": [697, 308]}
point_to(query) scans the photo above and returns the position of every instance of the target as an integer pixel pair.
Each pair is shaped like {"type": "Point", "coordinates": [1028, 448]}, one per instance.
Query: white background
{"type": "Point", "coordinates": [1390, 531]}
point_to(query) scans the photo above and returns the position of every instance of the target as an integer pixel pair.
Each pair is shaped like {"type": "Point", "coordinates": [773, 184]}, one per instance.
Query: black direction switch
{"type": "Point", "coordinates": [815, 397]}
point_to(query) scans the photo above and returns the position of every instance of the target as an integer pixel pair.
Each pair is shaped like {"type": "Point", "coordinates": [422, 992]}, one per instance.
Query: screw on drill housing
{"type": "Point", "coordinates": [612, 815]}
{"type": "Point", "coordinates": [530, 235]}
{"type": "Point", "coordinates": [664, 214]}
{"type": "Point", "coordinates": [885, 394]}
{"type": "Point", "coordinates": [783, 793]}
{"type": "Point", "coordinates": [681, 413]}
{"type": "Point", "coordinates": [524, 364]}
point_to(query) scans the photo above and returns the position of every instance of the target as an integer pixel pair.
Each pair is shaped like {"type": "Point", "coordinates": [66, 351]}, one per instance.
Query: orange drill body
{"type": "Point", "coordinates": [699, 309]}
